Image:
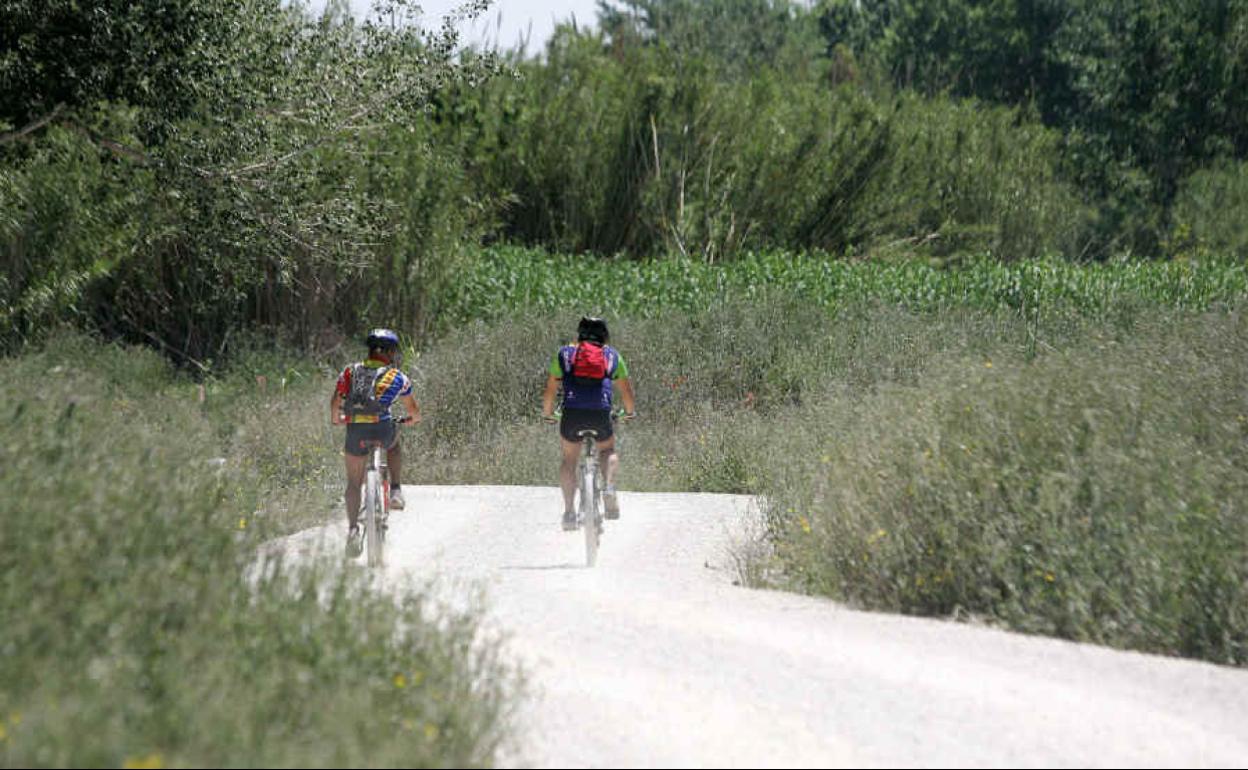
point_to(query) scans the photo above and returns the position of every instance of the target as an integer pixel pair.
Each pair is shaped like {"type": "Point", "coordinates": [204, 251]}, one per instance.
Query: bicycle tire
{"type": "Point", "coordinates": [589, 512]}
{"type": "Point", "coordinates": [373, 535]}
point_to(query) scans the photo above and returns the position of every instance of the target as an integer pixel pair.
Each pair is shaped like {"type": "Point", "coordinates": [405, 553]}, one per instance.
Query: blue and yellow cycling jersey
{"type": "Point", "coordinates": [390, 386]}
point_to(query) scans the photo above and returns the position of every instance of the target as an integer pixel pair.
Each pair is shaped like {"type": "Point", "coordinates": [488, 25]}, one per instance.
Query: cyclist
{"type": "Point", "coordinates": [362, 400]}
{"type": "Point", "coordinates": [586, 371]}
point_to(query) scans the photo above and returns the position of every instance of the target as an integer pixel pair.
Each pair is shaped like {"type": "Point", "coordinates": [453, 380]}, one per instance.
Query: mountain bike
{"type": "Point", "coordinates": [375, 501]}
{"type": "Point", "coordinates": [591, 482]}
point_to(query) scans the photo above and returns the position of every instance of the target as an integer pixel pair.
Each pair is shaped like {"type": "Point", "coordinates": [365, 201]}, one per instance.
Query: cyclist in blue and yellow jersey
{"type": "Point", "coordinates": [586, 371]}
{"type": "Point", "coordinates": [362, 400]}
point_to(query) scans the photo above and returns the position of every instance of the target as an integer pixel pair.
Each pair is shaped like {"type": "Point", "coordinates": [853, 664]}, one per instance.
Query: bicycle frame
{"type": "Point", "coordinates": [375, 503]}
{"type": "Point", "coordinates": [589, 483]}
{"type": "Point", "coordinates": [375, 498]}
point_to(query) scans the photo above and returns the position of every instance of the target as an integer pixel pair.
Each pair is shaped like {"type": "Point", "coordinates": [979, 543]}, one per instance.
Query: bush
{"type": "Point", "coordinates": [1210, 214]}
{"type": "Point", "coordinates": [1091, 493]}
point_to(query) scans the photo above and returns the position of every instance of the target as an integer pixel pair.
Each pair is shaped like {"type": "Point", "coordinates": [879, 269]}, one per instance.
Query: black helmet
{"type": "Point", "coordinates": [383, 339]}
{"type": "Point", "coordinates": [593, 328]}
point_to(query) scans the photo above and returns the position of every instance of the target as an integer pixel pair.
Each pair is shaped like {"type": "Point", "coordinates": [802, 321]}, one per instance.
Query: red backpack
{"type": "Point", "coordinates": [589, 362]}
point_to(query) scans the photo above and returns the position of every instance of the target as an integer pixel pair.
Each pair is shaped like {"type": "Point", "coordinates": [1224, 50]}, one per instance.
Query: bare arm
{"type": "Point", "coordinates": [335, 409]}
{"type": "Point", "coordinates": [626, 394]}
{"type": "Point", "coordinates": [548, 396]}
{"type": "Point", "coordinates": [413, 408]}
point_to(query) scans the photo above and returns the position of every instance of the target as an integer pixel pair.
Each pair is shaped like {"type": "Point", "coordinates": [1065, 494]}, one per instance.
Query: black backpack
{"type": "Point", "coordinates": [362, 398]}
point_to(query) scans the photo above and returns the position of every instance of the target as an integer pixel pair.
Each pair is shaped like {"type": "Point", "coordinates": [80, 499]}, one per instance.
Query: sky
{"type": "Point", "coordinates": [506, 22]}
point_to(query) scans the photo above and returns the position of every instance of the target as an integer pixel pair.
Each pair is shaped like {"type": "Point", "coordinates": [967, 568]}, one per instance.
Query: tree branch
{"type": "Point", "coordinates": [13, 136]}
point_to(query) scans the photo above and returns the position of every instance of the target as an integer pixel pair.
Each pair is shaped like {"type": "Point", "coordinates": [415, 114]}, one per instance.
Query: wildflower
{"type": "Point", "coordinates": [431, 732]}
{"type": "Point", "coordinates": [876, 536]}
{"type": "Point", "coordinates": [242, 522]}
{"type": "Point", "coordinates": [400, 681]}
{"type": "Point", "coordinates": [804, 523]}
{"type": "Point", "coordinates": [153, 761]}
{"type": "Point", "coordinates": [987, 364]}
{"type": "Point", "coordinates": [1048, 577]}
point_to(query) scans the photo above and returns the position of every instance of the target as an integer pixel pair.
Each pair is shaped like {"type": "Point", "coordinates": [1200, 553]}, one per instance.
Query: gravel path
{"type": "Point", "coordinates": [655, 659]}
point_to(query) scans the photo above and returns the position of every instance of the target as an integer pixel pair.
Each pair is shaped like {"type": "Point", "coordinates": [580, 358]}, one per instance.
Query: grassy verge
{"type": "Point", "coordinates": [1094, 493]}
{"type": "Point", "coordinates": [131, 635]}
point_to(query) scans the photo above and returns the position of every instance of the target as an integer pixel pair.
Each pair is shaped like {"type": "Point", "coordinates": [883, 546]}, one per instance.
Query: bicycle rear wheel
{"type": "Point", "coordinates": [373, 534]}
{"type": "Point", "coordinates": [589, 512]}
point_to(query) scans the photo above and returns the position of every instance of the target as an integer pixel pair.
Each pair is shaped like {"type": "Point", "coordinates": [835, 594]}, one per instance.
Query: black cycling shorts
{"type": "Point", "coordinates": [360, 433]}
{"type": "Point", "coordinates": [583, 419]}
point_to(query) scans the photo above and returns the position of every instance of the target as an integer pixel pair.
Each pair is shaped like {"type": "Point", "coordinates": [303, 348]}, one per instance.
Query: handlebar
{"type": "Point", "coordinates": [616, 414]}
{"type": "Point", "coordinates": [404, 420]}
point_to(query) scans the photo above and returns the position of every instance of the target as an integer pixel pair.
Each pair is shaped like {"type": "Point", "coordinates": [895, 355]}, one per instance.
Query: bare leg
{"type": "Point", "coordinates": [355, 477]}
{"type": "Point", "coordinates": [608, 460]}
{"type": "Point", "coordinates": [394, 461]}
{"type": "Point", "coordinates": [567, 472]}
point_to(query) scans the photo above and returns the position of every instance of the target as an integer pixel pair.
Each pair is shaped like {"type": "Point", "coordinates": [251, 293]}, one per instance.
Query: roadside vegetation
{"type": "Point", "coordinates": [137, 630]}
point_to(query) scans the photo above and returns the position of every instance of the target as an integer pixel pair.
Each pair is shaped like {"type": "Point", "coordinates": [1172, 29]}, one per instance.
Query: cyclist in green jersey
{"type": "Point", "coordinates": [586, 372]}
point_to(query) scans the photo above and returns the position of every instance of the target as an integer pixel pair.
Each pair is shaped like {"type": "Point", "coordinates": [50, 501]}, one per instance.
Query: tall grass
{"type": "Point", "coordinates": [132, 633]}
{"type": "Point", "coordinates": [1095, 492]}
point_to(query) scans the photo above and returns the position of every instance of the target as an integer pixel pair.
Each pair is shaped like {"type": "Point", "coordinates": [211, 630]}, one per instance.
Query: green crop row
{"type": "Point", "coordinates": [504, 280]}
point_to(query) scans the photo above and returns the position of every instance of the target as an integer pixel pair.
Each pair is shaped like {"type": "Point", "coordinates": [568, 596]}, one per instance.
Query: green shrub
{"type": "Point", "coordinates": [1210, 213]}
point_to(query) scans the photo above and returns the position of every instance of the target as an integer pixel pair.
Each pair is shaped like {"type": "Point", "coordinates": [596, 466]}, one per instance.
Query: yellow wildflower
{"type": "Point", "coordinates": [153, 761]}
{"type": "Point", "coordinates": [400, 681]}
{"type": "Point", "coordinates": [242, 522]}
{"type": "Point", "coordinates": [431, 732]}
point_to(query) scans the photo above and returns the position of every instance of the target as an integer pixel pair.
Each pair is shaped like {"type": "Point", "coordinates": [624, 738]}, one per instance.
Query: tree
{"type": "Point", "coordinates": [242, 126]}
{"type": "Point", "coordinates": [739, 35]}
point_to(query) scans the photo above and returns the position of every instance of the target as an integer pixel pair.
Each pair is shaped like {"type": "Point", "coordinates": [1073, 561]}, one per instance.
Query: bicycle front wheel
{"type": "Point", "coordinates": [373, 535]}
{"type": "Point", "coordinates": [590, 512]}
